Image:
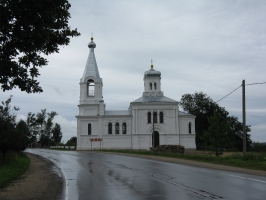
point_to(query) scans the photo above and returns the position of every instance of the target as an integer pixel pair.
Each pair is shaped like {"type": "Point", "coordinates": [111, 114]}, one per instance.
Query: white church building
{"type": "Point", "coordinates": [133, 128]}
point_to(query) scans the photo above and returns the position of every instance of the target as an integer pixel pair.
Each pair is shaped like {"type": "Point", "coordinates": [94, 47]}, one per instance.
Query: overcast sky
{"type": "Point", "coordinates": [198, 46]}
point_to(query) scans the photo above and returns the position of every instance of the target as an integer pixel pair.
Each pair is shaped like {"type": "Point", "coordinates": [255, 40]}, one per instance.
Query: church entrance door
{"type": "Point", "coordinates": [156, 139]}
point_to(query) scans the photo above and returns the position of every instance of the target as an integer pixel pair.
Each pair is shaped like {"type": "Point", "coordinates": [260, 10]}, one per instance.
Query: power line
{"type": "Point", "coordinates": [255, 83]}
{"type": "Point", "coordinates": [229, 94]}
{"type": "Point", "coordinates": [238, 88]}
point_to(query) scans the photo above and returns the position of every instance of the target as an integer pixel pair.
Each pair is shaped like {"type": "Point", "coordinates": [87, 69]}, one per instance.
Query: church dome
{"type": "Point", "coordinates": [152, 73]}
{"type": "Point", "coordinates": [92, 44]}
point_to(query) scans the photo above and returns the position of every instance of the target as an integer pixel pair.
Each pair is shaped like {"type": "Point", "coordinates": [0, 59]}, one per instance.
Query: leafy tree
{"type": "Point", "coordinates": [57, 134]}
{"type": "Point", "coordinates": [203, 107]}
{"type": "Point", "coordinates": [30, 29]}
{"type": "Point", "coordinates": [72, 141]}
{"type": "Point", "coordinates": [45, 123]}
{"type": "Point", "coordinates": [16, 136]}
{"type": "Point", "coordinates": [43, 129]}
{"type": "Point", "coordinates": [22, 136]}
{"type": "Point", "coordinates": [236, 134]}
{"type": "Point", "coordinates": [7, 125]}
{"type": "Point", "coordinates": [33, 127]}
{"type": "Point", "coordinates": [216, 137]}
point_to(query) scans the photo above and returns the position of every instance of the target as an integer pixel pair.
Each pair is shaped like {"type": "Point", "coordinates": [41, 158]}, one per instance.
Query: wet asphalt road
{"type": "Point", "coordinates": [98, 176]}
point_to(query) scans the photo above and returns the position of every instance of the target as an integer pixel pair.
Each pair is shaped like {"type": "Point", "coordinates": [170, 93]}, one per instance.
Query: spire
{"type": "Point", "coordinates": [151, 64]}
{"type": "Point", "coordinates": [91, 69]}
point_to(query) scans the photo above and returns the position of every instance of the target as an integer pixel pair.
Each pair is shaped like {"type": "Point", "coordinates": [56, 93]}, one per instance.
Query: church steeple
{"type": "Point", "coordinates": [91, 83]}
{"type": "Point", "coordinates": [152, 81]}
{"type": "Point", "coordinates": [91, 70]}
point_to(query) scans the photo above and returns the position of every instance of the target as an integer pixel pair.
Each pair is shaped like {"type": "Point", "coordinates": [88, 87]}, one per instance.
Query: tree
{"type": "Point", "coordinates": [203, 107]}
{"type": "Point", "coordinates": [22, 136]}
{"type": "Point", "coordinates": [33, 127]}
{"type": "Point", "coordinates": [30, 29]}
{"type": "Point", "coordinates": [72, 141]}
{"type": "Point", "coordinates": [45, 123]}
{"type": "Point", "coordinates": [7, 125]}
{"type": "Point", "coordinates": [236, 134]}
{"type": "Point", "coordinates": [57, 134]}
{"type": "Point", "coordinates": [216, 137]}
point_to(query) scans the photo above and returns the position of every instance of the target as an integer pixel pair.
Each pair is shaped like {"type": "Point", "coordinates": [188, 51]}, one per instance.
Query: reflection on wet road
{"type": "Point", "coordinates": [96, 176]}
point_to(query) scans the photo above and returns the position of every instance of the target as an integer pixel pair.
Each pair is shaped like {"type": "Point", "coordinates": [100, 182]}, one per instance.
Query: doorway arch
{"type": "Point", "coordinates": [156, 139]}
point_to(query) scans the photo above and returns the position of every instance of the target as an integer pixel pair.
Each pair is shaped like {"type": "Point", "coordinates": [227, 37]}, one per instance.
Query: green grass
{"type": "Point", "coordinates": [13, 169]}
{"type": "Point", "coordinates": [256, 161]}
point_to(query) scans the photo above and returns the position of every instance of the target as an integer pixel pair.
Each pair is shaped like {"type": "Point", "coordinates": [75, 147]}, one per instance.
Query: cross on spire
{"type": "Point", "coordinates": [151, 63]}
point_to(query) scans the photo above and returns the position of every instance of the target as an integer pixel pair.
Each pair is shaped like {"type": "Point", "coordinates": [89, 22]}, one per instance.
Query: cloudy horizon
{"type": "Point", "coordinates": [198, 46]}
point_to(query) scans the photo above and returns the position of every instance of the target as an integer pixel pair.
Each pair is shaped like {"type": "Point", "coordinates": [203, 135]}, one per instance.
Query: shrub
{"type": "Point", "coordinates": [170, 149]}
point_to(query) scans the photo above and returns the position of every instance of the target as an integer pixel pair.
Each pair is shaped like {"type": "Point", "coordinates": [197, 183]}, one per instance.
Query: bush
{"type": "Point", "coordinates": [7, 158]}
{"type": "Point", "coordinates": [170, 149]}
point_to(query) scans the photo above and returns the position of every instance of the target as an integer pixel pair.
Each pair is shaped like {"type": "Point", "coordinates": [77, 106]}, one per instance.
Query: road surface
{"type": "Point", "coordinates": [100, 176]}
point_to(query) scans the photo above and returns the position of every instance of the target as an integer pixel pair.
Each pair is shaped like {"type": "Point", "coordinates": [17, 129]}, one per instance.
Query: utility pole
{"type": "Point", "coordinates": [244, 117]}
{"type": "Point", "coordinates": [153, 138]}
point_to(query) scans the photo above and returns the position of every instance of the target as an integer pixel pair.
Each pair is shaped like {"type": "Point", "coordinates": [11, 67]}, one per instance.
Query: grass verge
{"type": "Point", "coordinates": [13, 169]}
{"type": "Point", "coordinates": [256, 161]}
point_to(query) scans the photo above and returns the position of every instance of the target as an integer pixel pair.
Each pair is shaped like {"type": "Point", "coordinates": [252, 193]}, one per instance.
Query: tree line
{"type": "Point", "coordinates": [215, 128]}
{"type": "Point", "coordinates": [16, 135]}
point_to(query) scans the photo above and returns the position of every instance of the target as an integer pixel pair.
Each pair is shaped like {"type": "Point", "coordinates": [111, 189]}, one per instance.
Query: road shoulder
{"type": "Point", "coordinates": [42, 180]}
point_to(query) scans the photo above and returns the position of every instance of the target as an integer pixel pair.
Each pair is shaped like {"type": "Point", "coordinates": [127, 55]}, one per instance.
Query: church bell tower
{"type": "Point", "coordinates": [152, 83]}
{"type": "Point", "coordinates": [91, 96]}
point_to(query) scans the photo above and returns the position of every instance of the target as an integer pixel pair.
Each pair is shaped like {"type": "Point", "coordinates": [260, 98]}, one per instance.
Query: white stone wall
{"type": "Point", "coordinates": [127, 141]}
{"type": "Point", "coordinates": [140, 119]}
{"type": "Point", "coordinates": [188, 141]}
{"type": "Point", "coordinates": [114, 120]}
{"type": "Point", "coordinates": [184, 121]}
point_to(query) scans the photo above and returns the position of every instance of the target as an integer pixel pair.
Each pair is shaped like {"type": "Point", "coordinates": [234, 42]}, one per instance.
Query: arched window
{"type": "Point", "coordinates": [149, 117]}
{"type": "Point", "coordinates": [124, 128]}
{"type": "Point", "coordinates": [89, 129]}
{"type": "Point", "coordinates": [110, 127]}
{"type": "Point", "coordinates": [150, 86]}
{"type": "Point", "coordinates": [155, 117]}
{"type": "Point", "coordinates": [161, 117]}
{"type": "Point", "coordinates": [117, 128]}
{"type": "Point", "coordinates": [155, 86]}
{"type": "Point", "coordinates": [189, 127]}
{"type": "Point", "coordinates": [90, 85]}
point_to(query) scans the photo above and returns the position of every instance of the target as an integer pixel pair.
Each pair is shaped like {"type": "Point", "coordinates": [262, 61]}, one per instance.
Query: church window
{"type": "Point", "coordinates": [155, 86]}
{"type": "Point", "coordinates": [89, 129]}
{"type": "Point", "coordinates": [161, 117]}
{"type": "Point", "coordinates": [155, 117]}
{"type": "Point", "coordinates": [150, 86]}
{"type": "Point", "coordinates": [117, 128]}
{"type": "Point", "coordinates": [149, 117]}
{"type": "Point", "coordinates": [110, 127]}
{"type": "Point", "coordinates": [90, 85]}
{"type": "Point", "coordinates": [189, 127]}
{"type": "Point", "coordinates": [124, 128]}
